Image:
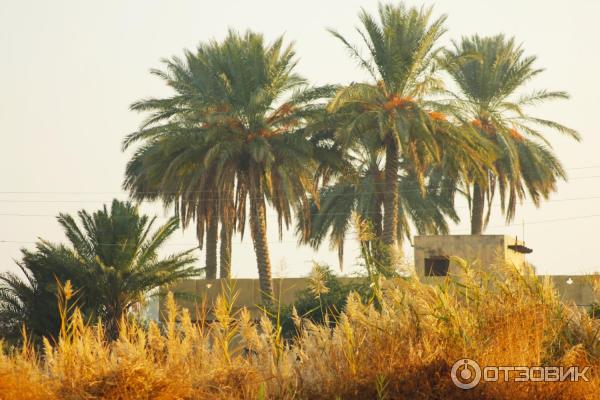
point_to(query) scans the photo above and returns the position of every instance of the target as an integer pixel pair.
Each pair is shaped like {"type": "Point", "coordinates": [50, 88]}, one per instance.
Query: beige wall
{"type": "Point", "coordinates": [482, 250]}
{"type": "Point", "coordinates": [575, 289]}
{"type": "Point", "coordinates": [192, 294]}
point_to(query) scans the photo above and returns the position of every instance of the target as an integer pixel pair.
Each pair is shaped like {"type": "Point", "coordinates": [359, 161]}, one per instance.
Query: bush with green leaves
{"type": "Point", "coordinates": [323, 300]}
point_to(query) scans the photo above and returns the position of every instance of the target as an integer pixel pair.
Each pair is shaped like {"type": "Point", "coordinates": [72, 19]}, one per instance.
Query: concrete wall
{"type": "Point", "coordinates": [487, 251]}
{"type": "Point", "coordinates": [192, 293]}
{"type": "Point", "coordinates": [575, 289]}
{"type": "Point", "coordinates": [482, 250]}
{"type": "Point", "coordinates": [572, 289]}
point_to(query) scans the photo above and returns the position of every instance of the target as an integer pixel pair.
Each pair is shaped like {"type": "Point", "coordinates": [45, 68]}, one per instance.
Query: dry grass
{"type": "Point", "coordinates": [402, 349]}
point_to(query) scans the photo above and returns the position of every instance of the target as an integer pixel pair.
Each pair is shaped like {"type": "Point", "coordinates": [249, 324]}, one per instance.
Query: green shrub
{"type": "Point", "coordinates": [323, 299]}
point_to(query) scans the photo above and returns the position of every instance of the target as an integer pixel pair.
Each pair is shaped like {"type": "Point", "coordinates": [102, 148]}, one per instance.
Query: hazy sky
{"type": "Point", "coordinates": [70, 69]}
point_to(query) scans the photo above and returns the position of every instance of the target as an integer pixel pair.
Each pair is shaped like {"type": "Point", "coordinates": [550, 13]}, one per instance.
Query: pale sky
{"type": "Point", "coordinates": [70, 69]}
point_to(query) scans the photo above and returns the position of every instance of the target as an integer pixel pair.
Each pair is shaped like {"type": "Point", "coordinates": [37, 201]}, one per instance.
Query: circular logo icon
{"type": "Point", "coordinates": [466, 373]}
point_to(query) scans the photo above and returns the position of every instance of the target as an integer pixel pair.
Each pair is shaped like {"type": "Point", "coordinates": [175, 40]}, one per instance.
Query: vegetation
{"type": "Point", "coordinates": [405, 349]}
{"type": "Point", "coordinates": [241, 132]}
{"type": "Point", "coordinates": [235, 129]}
{"type": "Point", "coordinates": [356, 192]}
{"type": "Point", "coordinates": [111, 263]}
{"type": "Point", "coordinates": [29, 299]}
{"type": "Point", "coordinates": [394, 110]}
{"type": "Point", "coordinates": [322, 302]}
{"type": "Point", "coordinates": [243, 126]}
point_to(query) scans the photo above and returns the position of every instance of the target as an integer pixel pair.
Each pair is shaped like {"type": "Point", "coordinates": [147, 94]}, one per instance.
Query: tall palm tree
{"type": "Point", "coordinates": [112, 260]}
{"type": "Point", "coordinates": [241, 107]}
{"type": "Point", "coordinates": [172, 170]}
{"type": "Point", "coordinates": [489, 72]}
{"type": "Point", "coordinates": [401, 50]}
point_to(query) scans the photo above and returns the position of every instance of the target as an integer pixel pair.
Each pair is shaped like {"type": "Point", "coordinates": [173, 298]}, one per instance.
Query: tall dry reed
{"type": "Point", "coordinates": [401, 346]}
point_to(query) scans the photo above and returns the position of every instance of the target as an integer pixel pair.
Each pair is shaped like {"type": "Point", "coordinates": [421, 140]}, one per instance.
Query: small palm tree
{"type": "Point", "coordinates": [489, 72]}
{"type": "Point", "coordinates": [30, 298]}
{"type": "Point", "coordinates": [112, 261]}
{"type": "Point", "coordinates": [356, 191]}
{"type": "Point", "coordinates": [245, 110]}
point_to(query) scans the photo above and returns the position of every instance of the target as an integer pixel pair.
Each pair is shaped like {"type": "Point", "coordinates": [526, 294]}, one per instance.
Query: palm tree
{"type": "Point", "coordinates": [30, 298]}
{"type": "Point", "coordinates": [171, 170]}
{"type": "Point", "coordinates": [112, 261]}
{"type": "Point", "coordinates": [401, 50]}
{"type": "Point", "coordinates": [356, 191]}
{"type": "Point", "coordinates": [242, 110]}
{"type": "Point", "coordinates": [489, 71]}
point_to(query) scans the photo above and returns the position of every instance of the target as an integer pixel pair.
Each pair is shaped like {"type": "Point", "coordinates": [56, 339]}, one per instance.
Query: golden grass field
{"type": "Point", "coordinates": [403, 349]}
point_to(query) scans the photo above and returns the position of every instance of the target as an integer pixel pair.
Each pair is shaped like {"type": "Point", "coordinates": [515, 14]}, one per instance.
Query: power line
{"type": "Point", "coordinates": [545, 221]}
{"type": "Point", "coordinates": [270, 214]}
{"type": "Point", "coordinates": [353, 238]}
{"type": "Point", "coordinates": [586, 167]}
{"type": "Point", "coordinates": [383, 192]}
{"type": "Point", "coordinates": [158, 192]}
{"type": "Point", "coordinates": [27, 201]}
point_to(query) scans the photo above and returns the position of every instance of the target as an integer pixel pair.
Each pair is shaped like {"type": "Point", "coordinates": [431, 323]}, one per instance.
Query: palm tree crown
{"type": "Point", "coordinates": [489, 73]}
{"type": "Point", "coordinates": [238, 122]}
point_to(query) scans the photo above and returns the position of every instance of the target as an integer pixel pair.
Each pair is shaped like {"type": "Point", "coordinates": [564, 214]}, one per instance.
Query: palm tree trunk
{"type": "Point", "coordinates": [225, 256]}
{"type": "Point", "coordinates": [227, 209]}
{"type": "Point", "coordinates": [113, 319]}
{"type": "Point", "coordinates": [258, 228]}
{"type": "Point", "coordinates": [390, 202]}
{"type": "Point", "coordinates": [212, 234]}
{"type": "Point", "coordinates": [377, 219]}
{"type": "Point", "coordinates": [477, 208]}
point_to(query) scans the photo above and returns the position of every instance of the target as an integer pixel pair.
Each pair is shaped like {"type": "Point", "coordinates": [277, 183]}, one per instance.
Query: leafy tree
{"type": "Point", "coordinates": [489, 72]}
{"type": "Point", "coordinates": [242, 110]}
{"type": "Point", "coordinates": [112, 261]}
{"type": "Point", "coordinates": [395, 116]}
{"type": "Point", "coordinates": [323, 300]}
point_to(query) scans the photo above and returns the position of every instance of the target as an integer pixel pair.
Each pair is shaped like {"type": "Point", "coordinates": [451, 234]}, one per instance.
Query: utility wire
{"type": "Point", "coordinates": [178, 194]}
{"type": "Point", "coordinates": [205, 191]}
{"type": "Point", "coordinates": [573, 218]}
{"type": "Point", "coordinates": [269, 214]}
{"type": "Point", "coordinates": [156, 201]}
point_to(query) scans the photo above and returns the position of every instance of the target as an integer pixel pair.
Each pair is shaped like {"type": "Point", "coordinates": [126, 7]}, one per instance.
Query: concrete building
{"type": "Point", "coordinates": [435, 255]}
{"type": "Point", "coordinates": [435, 260]}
